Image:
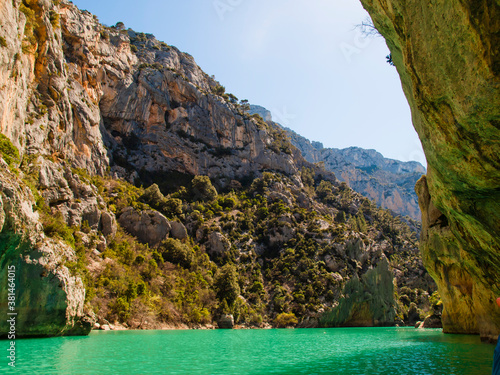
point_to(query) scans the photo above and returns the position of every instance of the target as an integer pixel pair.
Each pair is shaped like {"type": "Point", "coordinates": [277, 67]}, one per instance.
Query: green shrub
{"type": "Point", "coordinates": [340, 217]}
{"type": "Point", "coordinates": [172, 207]}
{"type": "Point", "coordinates": [54, 19]}
{"type": "Point", "coordinates": [30, 23]}
{"type": "Point", "coordinates": [284, 320]}
{"type": "Point", "coordinates": [226, 284]}
{"type": "Point", "coordinates": [3, 42]}
{"type": "Point", "coordinates": [307, 176]}
{"type": "Point", "coordinates": [257, 288]}
{"type": "Point", "coordinates": [121, 308]}
{"type": "Point", "coordinates": [219, 90]}
{"type": "Point", "coordinates": [124, 251]}
{"type": "Point", "coordinates": [119, 26]}
{"type": "Point", "coordinates": [139, 259]}
{"type": "Point", "coordinates": [174, 251]}
{"type": "Point", "coordinates": [141, 288]}
{"type": "Point", "coordinates": [153, 196]}
{"type": "Point", "coordinates": [55, 226]}
{"type": "Point", "coordinates": [227, 202]}
{"type": "Point", "coordinates": [203, 189]}
{"type": "Point", "coordinates": [131, 292]}
{"type": "Point", "coordinates": [324, 188]}
{"type": "Point", "coordinates": [8, 151]}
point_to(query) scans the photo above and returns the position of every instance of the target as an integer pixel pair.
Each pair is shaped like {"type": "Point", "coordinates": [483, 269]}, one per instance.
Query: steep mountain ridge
{"type": "Point", "coordinates": [89, 111]}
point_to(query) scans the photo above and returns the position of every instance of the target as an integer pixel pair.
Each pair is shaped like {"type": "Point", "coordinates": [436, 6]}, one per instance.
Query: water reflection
{"type": "Point", "coordinates": [300, 351]}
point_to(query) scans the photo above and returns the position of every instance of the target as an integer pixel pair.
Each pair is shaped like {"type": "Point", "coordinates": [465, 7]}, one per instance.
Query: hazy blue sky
{"type": "Point", "coordinates": [303, 60]}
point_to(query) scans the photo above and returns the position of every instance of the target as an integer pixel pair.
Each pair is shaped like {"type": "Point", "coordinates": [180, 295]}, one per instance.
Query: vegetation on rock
{"type": "Point", "coordinates": [254, 253]}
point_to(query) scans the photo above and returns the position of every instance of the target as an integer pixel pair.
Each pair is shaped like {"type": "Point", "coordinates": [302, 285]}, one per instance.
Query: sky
{"type": "Point", "coordinates": [305, 61]}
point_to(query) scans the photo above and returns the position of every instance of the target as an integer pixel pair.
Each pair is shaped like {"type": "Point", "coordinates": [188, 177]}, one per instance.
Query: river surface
{"type": "Point", "coordinates": [277, 351]}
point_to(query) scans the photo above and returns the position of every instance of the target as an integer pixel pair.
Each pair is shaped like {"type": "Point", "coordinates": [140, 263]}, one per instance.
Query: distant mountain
{"type": "Point", "coordinates": [390, 183]}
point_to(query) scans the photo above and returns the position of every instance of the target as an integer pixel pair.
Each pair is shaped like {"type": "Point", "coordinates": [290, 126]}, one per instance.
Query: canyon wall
{"type": "Point", "coordinates": [446, 53]}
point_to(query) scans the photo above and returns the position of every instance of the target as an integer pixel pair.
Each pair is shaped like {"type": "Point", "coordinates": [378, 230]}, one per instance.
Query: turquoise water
{"type": "Point", "coordinates": [287, 351]}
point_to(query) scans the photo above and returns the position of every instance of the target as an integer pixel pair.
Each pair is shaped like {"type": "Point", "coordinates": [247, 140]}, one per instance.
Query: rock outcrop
{"type": "Point", "coordinates": [178, 230]}
{"type": "Point", "coordinates": [369, 300]}
{"type": "Point", "coordinates": [148, 226]}
{"type": "Point", "coordinates": [261, 111]}
{"type": "Point", "coordinates": [390, 183]}
{"type": "Point", "coordinates": [446, 53]}
{"type": "Point", "coordinates": [48, 299]}
{"type": "Point", "coordinates": [226, 321]}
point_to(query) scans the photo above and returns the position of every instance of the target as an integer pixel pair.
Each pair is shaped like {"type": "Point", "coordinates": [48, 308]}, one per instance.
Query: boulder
{"type": "Point", "coordinates": [178, 230]}
{"type": "Point", "coordinates": [226, 321]}
{"type": "Point", "coordinates": [303, 201]}
{"type": "Point", "coordinates": [218, 243]}
{"type": "Point", "coordinates": [108, 224]}
{"type": "Point", "coordinates": [148, 226]}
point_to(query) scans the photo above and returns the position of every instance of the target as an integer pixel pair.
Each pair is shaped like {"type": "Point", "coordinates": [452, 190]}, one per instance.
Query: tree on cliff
{"type": "Point", "coordinates": [203, 189]}
{"type": "Point", "coordinates": [226, 284]}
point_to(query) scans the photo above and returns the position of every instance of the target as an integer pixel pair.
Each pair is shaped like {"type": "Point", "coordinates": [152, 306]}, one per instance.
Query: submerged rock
{"type": "Point", "coordinates": [226, 322]}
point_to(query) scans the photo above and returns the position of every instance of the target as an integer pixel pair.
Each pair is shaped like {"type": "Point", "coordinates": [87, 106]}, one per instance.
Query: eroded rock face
{"type": "Point", "coordinates": [49, 299]}
{"type": "Point", "coordinates": [218, 243]}
{"type": "Point", "coordinates": [446, 53]}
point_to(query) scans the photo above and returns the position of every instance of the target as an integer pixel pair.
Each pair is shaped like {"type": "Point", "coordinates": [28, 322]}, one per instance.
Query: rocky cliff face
{"type": "Point", "coordinates": [446, 53]}
{"type": "Point", "coordinates": [390, 183]}
{"type": "Point", "coordinates": [49, 300]}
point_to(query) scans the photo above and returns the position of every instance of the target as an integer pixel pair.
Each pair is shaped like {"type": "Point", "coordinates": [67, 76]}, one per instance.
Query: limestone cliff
{"type": "Point", "coordinates": [446, 53]}
{"type": "Point", "coordinates": [49, 300]}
